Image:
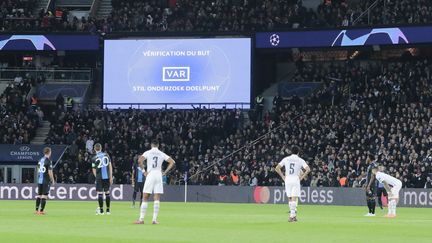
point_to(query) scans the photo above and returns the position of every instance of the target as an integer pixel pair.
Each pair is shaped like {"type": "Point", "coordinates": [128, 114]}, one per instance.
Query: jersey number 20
{"type": "Point", "coordinates": [103, 162]}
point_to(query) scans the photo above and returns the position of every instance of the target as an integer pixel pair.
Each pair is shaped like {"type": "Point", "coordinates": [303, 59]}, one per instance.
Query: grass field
{"type": "Point", "coordinates": [209, 222]}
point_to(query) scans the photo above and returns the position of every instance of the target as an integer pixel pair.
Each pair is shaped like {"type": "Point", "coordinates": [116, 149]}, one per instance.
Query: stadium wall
{"type": "Point", "coordinates": [222, 194]}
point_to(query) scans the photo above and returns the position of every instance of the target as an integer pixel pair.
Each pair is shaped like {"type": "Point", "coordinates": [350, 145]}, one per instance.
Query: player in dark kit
{"type": "Point", "coordinates": [371, 188]}
{"type": "Point", "coordinates": [137, 181]}
{"type": "Point", "coordinates": [102, 170]}
{"type": "Point", "coordinates": [45, 176]}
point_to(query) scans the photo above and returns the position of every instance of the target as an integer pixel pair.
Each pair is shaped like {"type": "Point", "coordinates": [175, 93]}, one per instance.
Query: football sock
{"type": "Point", "coordinates": [43, 204]}
{"type": "Point", "coordinates": [156, 207]}
{"type": "Point", "coordinates": [143, 210]}
{"type": "Point", "coordinates": [392, 207]}
{"type": "Point", "coordinates": [373, 204]}
{"type": "Point", "coordinates": [369, 206]}
{"type": "Point", "coordinates": [293, 209]}
{"type": "Point", "coordinates": [38, 201]}
{"type": "Point", "coordinates": [108, 201]}
{"type": "Point", "coordinates": [100, 201]}
{"type": "Point", "coordinates": [134, 197]}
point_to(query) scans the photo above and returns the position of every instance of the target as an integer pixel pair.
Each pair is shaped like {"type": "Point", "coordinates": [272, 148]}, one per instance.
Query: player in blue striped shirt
{"type": "Point", "coordinates": [137, 181]}
{"type": "Point", "coordinates": [102, 170]}
{"type": "Point", "coordinates": [45, 176]}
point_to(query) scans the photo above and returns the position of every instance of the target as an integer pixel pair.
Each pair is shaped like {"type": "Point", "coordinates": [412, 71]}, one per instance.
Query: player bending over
{"type": "Point", "coordinates": [153, 182]}
{"type": "Point", "coordinates": [137, 181]}
{"type": "Point", "coordinates": [102, 170]}
{"type": "Point", "coordinates": [294, 166]}
{"type": "Point", "coordinates": [45, 175]}
{"type": "Point", "coordinates": [392, 186]}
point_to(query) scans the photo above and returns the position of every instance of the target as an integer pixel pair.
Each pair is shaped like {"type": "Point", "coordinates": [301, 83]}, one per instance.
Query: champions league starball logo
{"type": "Point", "coordinates": [385, 35]}
{"type": "Point", "coordinates": [274, 40]}
{"type": "Point", "coordinates": [39, 41]}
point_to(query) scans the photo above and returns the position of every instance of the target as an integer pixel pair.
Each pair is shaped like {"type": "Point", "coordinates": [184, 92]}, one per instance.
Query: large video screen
{"type": "Point", "coordinates": [213, 72]}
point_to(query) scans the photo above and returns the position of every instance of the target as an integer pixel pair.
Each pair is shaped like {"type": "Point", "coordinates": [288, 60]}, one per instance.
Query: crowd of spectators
{"type": "Point", "coordinates": [217, 15]}
{"type": "Point", "coordinates": [18, 119]}
{"type": "Point", "coordinates": [364, 111]}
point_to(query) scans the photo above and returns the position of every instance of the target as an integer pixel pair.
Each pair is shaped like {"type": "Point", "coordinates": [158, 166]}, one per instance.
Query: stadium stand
{"type": "Point", "coordinates": [186, 15]}
{"type": "Point", "coordinates": [19, 119]}
{"type": "Point", "coordinates": [374, 110]}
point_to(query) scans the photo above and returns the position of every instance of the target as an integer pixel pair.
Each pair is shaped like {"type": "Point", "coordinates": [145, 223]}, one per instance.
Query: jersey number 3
{"type": "Point", "coordinates": [155, 160]}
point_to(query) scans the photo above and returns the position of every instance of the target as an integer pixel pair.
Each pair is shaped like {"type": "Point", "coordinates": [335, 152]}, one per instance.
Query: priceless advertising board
{"type": "Point", "coordinates": [179, 72]}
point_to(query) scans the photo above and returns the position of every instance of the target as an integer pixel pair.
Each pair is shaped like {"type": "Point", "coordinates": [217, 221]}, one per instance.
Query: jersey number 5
{"type": "Point", "coordinates": [155, 160]}
{"type": "Point", "coordinates": [291, 169]}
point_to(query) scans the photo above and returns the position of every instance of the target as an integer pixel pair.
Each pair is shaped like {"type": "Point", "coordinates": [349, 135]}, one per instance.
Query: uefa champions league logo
{"type": "Point", "coordinates": [274, 40]}
{"type": "Point", "coordinates": [38, 41]}
{"type": "Point", "coordinates": [394, 34]}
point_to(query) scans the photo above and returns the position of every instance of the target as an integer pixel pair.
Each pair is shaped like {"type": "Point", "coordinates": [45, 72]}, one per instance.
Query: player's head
{"type": "Point", "coordinates": [381, 168]}
{"type": "Point", "coordinates": [374, 170]}
{"type": "Point", "coordinates": [47, 151]}
{"type": "Point", "coordinates": [295, 149]}
{"type": "Point", "coordinates": [98, 147]}
{"type": "Point", "coordinates": [154, 143]}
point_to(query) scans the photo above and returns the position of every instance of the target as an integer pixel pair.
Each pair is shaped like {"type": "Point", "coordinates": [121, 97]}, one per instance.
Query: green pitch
{"type": "Point", "coordinates": [209, 222]}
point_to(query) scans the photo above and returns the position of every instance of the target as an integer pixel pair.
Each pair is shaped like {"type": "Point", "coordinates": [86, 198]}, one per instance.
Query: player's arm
{"type": "Point", "coordinates": [141, 160]}
{"type": "Point", "coordinates": [133, 175]}
{"type": "Point", "coordinates": [50, 173]}
{"type": "Point", "coordinates": [171, 164]}
{"type": "Point", "coordinates": [305, 173]}
{"type": "Point", "coordinates": [278, 169]}
{"type": "Point", "coordinates": [387, 187]}
{"type": "Point", "coordinates": [110, 172]}
{"type": "Point", "coordinates": [372, 180]}
{"type": "Point", "coordinates": [94, 167]}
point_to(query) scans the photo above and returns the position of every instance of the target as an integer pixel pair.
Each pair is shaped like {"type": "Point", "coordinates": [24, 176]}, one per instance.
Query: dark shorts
{"type": "Point", "coordinates": [43, 189]}
{"type": "Point", "coordinates": [372, 191]}
{"type": "Point", "coordinates": [139, 186]}
{"type": "Point", "coordinates": [380, 191]}
{"type": "Point", "coordinates": [102, 185]}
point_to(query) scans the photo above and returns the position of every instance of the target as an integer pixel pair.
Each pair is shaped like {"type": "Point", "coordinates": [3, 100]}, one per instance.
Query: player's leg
{"type": "Point", "coordinates": [99, 189]}
{"type": "Point", "coordinates": [148, 189]}
{"type": "Point", "coordinates": [107, 196]}
{"type": "Point", "coordinates": [393, 201]}
{"type": "Point", "coordinates": [158, 190]}
{"type": "Point", "coordinates": [379, 195]}
{"type": "Point", "coordinates": [45, 191]}
{"type": "Point", "coordinates": [38, 198]}
{"type": "Point", "coordinates": [143, 209]}
{"type": "Point", "coordinates": [141, 188]}
{"type": "Point", "coordinates": [156, 207]}
{"type": "Point", "coordinates": [134, 194]}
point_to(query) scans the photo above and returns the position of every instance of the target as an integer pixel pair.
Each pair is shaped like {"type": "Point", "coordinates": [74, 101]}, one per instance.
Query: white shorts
{"type": "Point", "coordinates": [292, 189]}
{"type": "Point", "coordinates": [395, 191]}
{"type": "Point", "coordinates": [153, 183]}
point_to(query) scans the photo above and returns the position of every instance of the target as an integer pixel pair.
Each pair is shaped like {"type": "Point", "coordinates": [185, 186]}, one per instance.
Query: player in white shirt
{"type": "Point", "coordinates": [392, 186]}
{"type": "Point", "coordinates": [153, 182]}
{"type": "Point", "coordinates": [294, 167]}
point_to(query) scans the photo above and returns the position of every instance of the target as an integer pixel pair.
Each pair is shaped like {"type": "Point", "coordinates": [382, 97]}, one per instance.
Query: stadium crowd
{"type": "Point", "coordinates": [18, 119]}
{"type": "Point", "coordinates": [364, 111]}
{"type": "Point", "coordinates": [218, 15]}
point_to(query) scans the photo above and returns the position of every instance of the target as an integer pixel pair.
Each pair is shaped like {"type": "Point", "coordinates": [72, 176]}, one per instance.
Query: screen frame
{"type": "Point", "coordinates": [138, 36]}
